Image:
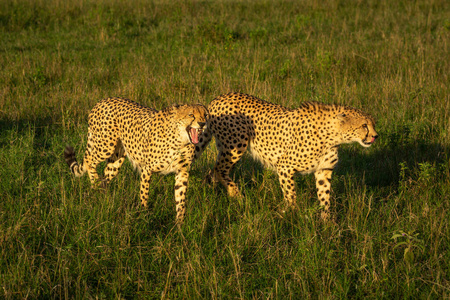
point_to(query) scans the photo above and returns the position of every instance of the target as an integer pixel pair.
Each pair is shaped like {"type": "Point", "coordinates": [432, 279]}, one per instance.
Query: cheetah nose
{"type": "Point", "coordinates": [201, 124]}
{"type": "Point", "coordinates": [374, 137]}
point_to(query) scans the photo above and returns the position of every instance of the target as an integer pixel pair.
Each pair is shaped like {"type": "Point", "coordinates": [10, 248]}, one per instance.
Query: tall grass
{"type": "Point", "coordinates": [61, 239]}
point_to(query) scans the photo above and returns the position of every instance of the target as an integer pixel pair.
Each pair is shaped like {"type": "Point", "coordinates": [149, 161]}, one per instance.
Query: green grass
{"type": "Point", "coordinates": [61, 239]}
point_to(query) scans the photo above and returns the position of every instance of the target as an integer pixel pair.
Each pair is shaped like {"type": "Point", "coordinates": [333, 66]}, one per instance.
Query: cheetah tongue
{"type": "Point", "coordinates": [194, 135]}
{"type": "Point", "coordinates": [373, 140]}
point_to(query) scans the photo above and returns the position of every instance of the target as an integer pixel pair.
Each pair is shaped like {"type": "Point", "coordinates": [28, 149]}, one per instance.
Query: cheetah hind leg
{"type": "Point", "coordinates": [114, 163]}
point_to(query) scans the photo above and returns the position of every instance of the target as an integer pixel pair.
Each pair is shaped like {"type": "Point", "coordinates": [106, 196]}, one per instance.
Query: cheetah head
{"type": "Point", "coordinates": [191, 121]}
{"type": "Point", "coordinates": [356, 126]}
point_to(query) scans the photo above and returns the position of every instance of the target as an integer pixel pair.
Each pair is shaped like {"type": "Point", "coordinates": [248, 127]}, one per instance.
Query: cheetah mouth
{"type": "Point", "coordinates": [194, 134]}
{"type": "Point", "coordinates": [369, 143]}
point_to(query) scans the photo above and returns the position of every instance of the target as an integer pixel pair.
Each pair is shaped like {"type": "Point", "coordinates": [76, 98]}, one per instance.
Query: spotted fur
{"type": "Point", "coordinates": [155, 142]}
{"type": "Point", "coordinates": [304, 140]}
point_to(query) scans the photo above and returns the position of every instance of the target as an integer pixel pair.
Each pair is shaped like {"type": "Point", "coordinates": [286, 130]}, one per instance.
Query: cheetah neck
{"type": "Point", "coordinates": [316, 123]}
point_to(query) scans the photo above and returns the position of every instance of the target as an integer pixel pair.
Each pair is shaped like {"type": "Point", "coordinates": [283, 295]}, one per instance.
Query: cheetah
{"type": "Point", "coordinates": [154, 141]}
{"type": "Point", "coordinates": [304, 140]}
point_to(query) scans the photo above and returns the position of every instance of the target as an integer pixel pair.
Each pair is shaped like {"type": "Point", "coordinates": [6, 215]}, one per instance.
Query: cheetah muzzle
{"type": "Point", "coordinates": [194, 133]}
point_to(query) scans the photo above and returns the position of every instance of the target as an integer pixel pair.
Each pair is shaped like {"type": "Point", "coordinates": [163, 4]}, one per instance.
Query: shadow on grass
{"type": "Point", "coordinates": [38, 126]}
{"type": "Point", "coordinates": [40, 135]}
{"type": "Point", "coordinates": [382, 166]}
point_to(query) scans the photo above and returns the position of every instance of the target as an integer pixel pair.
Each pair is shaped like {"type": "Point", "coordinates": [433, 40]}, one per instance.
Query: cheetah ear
{"type": "Point", "coordinates": [342, 117]}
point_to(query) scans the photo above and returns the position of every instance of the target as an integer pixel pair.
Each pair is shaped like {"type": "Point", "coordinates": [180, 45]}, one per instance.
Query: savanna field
{"type": "Point", "coordinates": [390, 236]}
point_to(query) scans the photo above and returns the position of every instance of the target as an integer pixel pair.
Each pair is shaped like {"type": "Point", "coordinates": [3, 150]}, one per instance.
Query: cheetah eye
{"type": "Point", "coordinates": [364, 126]}
{"type": "Point", "coordinates": [191, 115]}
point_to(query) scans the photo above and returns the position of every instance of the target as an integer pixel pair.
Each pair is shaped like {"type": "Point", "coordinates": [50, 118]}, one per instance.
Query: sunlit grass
{"type": "Point", "coordinates": [61, 239]}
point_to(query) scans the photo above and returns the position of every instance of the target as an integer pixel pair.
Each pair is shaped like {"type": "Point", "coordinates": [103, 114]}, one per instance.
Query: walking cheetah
{"type": "Point", "coordinates": [155, 142]}
{"type": "Point", "coordinates": [304, 140]}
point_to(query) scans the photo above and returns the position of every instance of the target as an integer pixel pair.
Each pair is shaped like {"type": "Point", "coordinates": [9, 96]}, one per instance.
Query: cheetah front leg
{"type": "Point", "coordinates": [181, 182]}
{"type": "Point", "coordinates": [226, 159]}
{"type": "Point", "coordinates": [146, 173]}
{"type": "Point", "coordinates": [323, 185]}
{"type": "Point", "coordinates": [287, 183]}
{"type": "Point", "coordinates": [203, 142]}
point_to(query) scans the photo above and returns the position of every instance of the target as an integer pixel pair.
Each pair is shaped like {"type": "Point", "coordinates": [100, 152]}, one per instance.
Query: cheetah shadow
{"type": "Point", "coordinates": [40, 132]}
{"type": "Point", "coordinates": [381, 167]}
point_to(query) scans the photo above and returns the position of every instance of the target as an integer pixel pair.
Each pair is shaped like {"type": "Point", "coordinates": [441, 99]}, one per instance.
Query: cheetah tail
{"type": "Point", "coordinates": [69, 156]}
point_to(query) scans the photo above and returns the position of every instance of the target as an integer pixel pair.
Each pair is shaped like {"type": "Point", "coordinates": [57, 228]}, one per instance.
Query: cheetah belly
{"type": "Point", "coordinates": [169, 163]}
{"type": "Point", "coordinates": [326, 160]}
{"type": "Point", "coordinates": [163, 164]}
{"type": "Point", "coordinates": [258, 153]}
